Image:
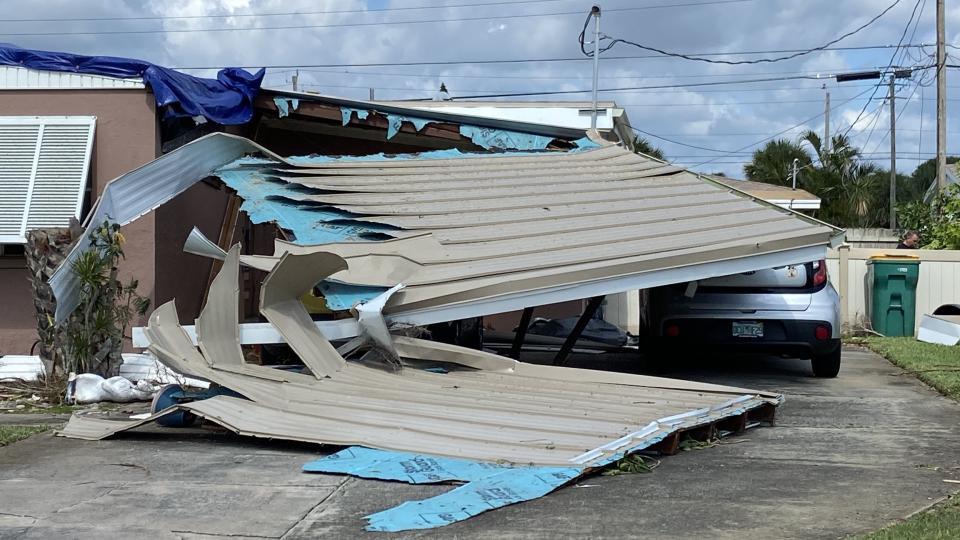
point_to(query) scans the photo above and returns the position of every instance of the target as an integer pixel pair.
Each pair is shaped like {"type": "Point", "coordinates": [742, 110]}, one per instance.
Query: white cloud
{"type": "Point", "coordinates": [721, 116]}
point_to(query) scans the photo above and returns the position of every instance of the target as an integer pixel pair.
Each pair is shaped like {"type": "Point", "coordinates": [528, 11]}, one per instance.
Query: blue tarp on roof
{"type": "Point", "coordinates": [228, 99]}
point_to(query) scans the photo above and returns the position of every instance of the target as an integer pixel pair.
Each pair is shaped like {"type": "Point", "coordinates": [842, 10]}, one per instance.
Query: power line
{"type": "Point", "coordinates": [653, 87]}
{"type": "Point", "coordinates": [673, 141]}
{"type": "Point", "coordinates": [902, 110]}
{"type": "Point", "coordinates": [817, 88]}
{"type": "Point", "coordinates": [619, 103]}
{"type": "Point", "coordinates": [865, 155]}
{"type": "Point", "coordinates": [537, 60]}
{"type": "Point", "coordinates": [779, 133]}
{"type": "Point", "coordinates": [348, 25]}
{"type": "Point", "coordinates": [568, 77]}
{"type": "Point", "coordinates": [701, 58]}
{"type": "Point", "coordinates": [753, 134]}
{"type": "Point", "coordinates": [746, 161]}
{"type": "Point", "coordinates": [283, 14]}
{"type": "Point", "coordinates": [889, 64]}
{"type": "Point", "coordinates": [349, 11]}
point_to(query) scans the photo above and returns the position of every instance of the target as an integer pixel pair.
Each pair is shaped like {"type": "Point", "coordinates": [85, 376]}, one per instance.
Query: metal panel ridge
{"type": "Point", "coordinates": [141, 190]}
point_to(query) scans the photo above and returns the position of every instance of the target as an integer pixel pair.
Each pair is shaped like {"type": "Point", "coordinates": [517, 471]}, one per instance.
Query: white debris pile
{"type": "Point", "coordinates": [91, 388]}
{"type": "Point", "coordinates": [21, 367]}
{"type": "Point", "coordinates": [146, 367]}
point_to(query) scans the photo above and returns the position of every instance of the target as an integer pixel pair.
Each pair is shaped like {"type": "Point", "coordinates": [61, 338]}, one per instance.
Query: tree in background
{"type": "Point", "coordinates": [642, 146]}
{"type": "Point", "coordinates": [773, 164]}
{"type": "Point", "coordinates": [854, 192]}
{"type": "Point", "coordinates": [938, 223]}
{"type": "Point", "coordinates": [851, 190]}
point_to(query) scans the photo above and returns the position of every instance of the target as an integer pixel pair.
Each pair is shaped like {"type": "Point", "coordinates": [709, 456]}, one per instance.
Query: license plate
{"type": "Point", "coordinates": [748, 329]}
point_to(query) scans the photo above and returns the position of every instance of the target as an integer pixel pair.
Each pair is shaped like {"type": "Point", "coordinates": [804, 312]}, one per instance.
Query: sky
{"type": "Point", "coordinates": [711, 128]}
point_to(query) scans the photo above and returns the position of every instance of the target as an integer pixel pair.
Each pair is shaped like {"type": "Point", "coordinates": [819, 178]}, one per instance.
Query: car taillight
{"type": "Point", "coordinates": [671, 330]}
{"type": "Point", "coordinates": [822, 333]}
{"type": "Point", "coordinates": [819, 273]}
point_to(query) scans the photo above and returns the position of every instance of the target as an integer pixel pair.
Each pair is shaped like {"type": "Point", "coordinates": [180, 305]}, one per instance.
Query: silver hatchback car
{"type": "Point", "coordinates": [791, 311]}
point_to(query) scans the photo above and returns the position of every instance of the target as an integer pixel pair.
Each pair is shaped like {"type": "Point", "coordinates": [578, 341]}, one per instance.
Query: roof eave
{"type": "Point", "coordinates": [439, 116]}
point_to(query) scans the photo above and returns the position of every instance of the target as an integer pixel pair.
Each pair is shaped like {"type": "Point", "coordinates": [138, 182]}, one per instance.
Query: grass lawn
{"type": "Point", "coordinates": [940, 523]}
{"type": "Point", "coordinates": [936, 365]}
{"type": "Point", "coordinates": [12, 434]}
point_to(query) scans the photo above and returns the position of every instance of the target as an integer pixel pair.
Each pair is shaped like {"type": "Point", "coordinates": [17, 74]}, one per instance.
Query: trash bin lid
{"type": "Point", "coordinates": [895, 258]}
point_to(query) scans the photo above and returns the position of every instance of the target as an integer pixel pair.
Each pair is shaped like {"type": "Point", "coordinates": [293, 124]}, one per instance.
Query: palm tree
{"type": "Point", "coordinates": [852, 190]}
{"type": "Point", "coordinates": [642, 146]}
{"type": "Point", "coordinates": [773, 164]}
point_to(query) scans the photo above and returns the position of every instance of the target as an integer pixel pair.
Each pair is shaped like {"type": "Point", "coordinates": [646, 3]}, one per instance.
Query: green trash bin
{"type": "Point", "coordinates": [893, 300]}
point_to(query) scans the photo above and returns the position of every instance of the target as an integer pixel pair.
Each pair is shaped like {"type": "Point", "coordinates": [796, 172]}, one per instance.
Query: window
{"type": "Point", "coordinates": [11, 250]}
{"type": "Point", "coordinates": [44, 163]}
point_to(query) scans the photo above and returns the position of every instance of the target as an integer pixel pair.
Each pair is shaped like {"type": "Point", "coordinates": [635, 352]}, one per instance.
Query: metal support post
{"type": "Point", "coordinates": [564, 352]}
{"type": "Point", "coordinates": [893, 153]}
{"type": "Point", "coordinates": [521, 334]}
{"type": "Point", "coordinates": [826, 123]}
{"type": "Point", "coordinates": [941, 98]}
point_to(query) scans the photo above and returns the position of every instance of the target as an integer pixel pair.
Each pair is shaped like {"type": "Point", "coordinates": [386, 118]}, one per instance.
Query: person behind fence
{"type": "Point", "coordinates": [911, 240]}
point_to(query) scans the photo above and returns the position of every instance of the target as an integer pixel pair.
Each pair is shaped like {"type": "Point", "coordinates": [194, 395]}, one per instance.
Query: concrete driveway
{"type": "Point", "coordinates": [848, 455]}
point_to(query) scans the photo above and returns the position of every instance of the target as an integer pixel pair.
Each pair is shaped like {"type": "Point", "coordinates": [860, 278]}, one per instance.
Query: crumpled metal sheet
{"type": "Point", "coordinates": [485, 407]}
{"type": "Point", "coordinates": [516, 431]}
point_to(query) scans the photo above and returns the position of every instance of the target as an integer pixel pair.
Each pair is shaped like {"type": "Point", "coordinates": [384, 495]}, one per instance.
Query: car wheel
{"type": "Point", "coordinates": [827, 365]}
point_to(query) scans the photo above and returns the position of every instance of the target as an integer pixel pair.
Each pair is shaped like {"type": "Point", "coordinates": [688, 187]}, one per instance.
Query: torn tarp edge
{"type": "Point", "coordinates": [284, 105]}
{"type": "Point", "coordinates": [489, 138]}
{"type": "Point", "coordinates": [266, 200]}
{"type": "Point", "coordinates": [500, 138]}
{"type": "Point", "coordinates": [347, 112]}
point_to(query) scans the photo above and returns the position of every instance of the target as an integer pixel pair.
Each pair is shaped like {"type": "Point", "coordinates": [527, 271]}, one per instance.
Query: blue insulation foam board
{"type": "Point", "coordinates": [489, 485]}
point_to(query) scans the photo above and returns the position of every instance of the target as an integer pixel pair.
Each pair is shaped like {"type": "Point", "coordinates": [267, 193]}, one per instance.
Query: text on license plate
{"type": "Point", "coordinates": [748, 329]}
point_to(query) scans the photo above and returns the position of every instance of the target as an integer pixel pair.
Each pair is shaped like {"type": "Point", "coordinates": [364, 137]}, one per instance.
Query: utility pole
{"type": "Point", "coordinates": [595, 11]}
{"type": "Point", "coordinates": [826, 122]}
{"type": "Point", "coordinates": [295, 79]}
{"type": "Point", "coordinates": [941, 98]}
{"type": "Point", "coordinates": [893, 152]}
{"type": "Point", "coordinates": [371, 94]}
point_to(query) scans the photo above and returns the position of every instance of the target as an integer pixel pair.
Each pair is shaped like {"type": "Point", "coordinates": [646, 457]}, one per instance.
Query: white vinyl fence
{"type": "Point", "coordinates": [939, 284]}
{"type": "Point", "coordinates": [939, 281]}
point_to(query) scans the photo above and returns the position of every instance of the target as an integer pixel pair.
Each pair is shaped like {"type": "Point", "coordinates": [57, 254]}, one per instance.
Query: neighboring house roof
{"type": "Point", "coordinates": [505, 231]}
{"type": "Point", "coordinates": [44, 162]}
{"type": "Point", "coordinates": [19, 78]}
{"type": "Point", "coordinates": [571, 114]}
{"type": "Point", "coordinates": [435, 114]}
{"type": "Point", "coordinates": [783, 196]}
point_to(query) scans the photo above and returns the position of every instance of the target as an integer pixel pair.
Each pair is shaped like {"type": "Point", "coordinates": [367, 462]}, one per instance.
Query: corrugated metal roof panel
{"type": "Point", "coordinates": [18, 78]}
{"type": "Point", "coordinates": [514, 230]}
{"type": "Point", "coordinates": [486, 407]}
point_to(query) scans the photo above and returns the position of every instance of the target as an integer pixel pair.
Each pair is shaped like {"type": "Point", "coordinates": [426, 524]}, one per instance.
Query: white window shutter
{"type": "Point", "coordinates": [18, 145]}
{"type": "Point", "coordinates": [43, 183]}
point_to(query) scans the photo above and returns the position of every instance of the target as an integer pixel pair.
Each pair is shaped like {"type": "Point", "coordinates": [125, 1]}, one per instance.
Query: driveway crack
{"type": "Point", "coordinates": [333, 492]}
{"type": "Point", "coordinates": [90, 500]}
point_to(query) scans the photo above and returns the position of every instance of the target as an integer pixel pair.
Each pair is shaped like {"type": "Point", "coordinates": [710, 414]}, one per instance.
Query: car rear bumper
{"type": "Point", "coordinates": [788, 337]}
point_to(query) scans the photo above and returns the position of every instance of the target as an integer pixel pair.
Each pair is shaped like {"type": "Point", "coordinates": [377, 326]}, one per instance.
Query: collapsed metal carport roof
{"type": "Point", "coordinates": [486, 234]}
{"type": "Point", "coordinates": [473, 236]}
